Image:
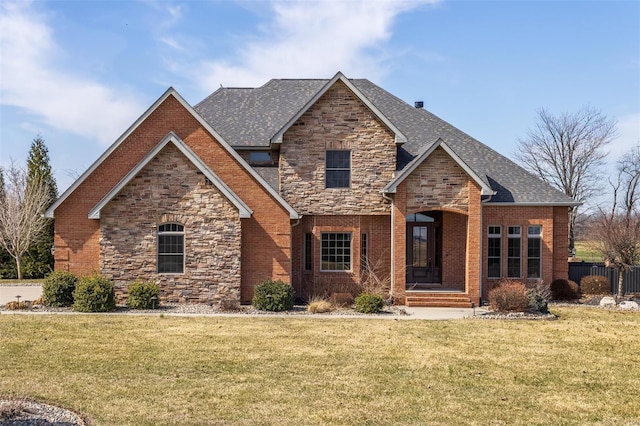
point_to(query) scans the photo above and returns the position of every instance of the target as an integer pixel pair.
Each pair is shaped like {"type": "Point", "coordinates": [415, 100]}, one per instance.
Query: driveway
{"type": "Point", "coordinates": [8, 293]}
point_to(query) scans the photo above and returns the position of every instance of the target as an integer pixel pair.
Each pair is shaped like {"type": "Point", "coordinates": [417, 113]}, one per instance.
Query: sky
{"type": "Point", "coordinates": [79, 73]}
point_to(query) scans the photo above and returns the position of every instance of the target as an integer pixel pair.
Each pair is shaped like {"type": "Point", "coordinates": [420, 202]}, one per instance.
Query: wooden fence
{"type": "Point", "coordinates": [577, 270]}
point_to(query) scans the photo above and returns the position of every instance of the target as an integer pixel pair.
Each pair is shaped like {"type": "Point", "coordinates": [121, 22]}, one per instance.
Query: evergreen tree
{"type": "Point", "coordinates": [7, 264]}
{"type": "Point", "coordinates": [38, 260]}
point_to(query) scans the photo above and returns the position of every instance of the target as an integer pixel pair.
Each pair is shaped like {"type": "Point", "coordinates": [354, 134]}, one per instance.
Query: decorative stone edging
{"type": "Point", "coordinates": [24, 412]}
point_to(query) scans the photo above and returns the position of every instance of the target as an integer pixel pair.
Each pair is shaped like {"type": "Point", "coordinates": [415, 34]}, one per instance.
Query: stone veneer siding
{"type": "Point", "coordinates": [171, 189]}
{"type": "Point", "coordinates": [438, 183]}
{"type": "Point", "coordinates": [337, 121]}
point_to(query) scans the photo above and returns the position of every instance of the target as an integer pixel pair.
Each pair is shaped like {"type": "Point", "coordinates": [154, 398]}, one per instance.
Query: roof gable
{"type": "Point", "coordinates": [399, 136]}
{"type": "Point", "coordinates": [244, 210]}
{"type": "Point", "coordinates": [206, 125]}
{"type": "Point", "coordinates": [404, 173]}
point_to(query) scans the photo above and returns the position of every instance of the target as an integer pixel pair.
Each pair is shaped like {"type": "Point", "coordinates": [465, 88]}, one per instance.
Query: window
{"type": "Point", "coordinates": [338, 169]}
{"type": "Point", "coordinates": [260, 158]}
{"type": "Point", "coordinates": [171, 248]}
{"type": "Point", "coordinates": [514, 239]}
{"type": "Point", "coordinates": [336, 251]}
{"type": "Point", "coordinates": [534, 250]}
{"type": "Point", "coordinates": [364, 253]}
{"type": "Point", "coordinates": [494, 268]}
{"type": "Point", "coordinates": [308, 253]}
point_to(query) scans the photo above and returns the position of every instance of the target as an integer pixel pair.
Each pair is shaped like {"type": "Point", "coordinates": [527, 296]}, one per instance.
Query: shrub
{"type": "Point", "coordinates": [509, 297]}
{"type": "Point", "coordinates": [15, 305]}
{"type": "Point", "coordinates": [368, 303]}
{"type": "Point", "coordinates": [539, 295]}
{"type": "Point", "coordinates": [57, 289]}
{"type": "Point", "coordinates": [273, 296]}
{"type": "Point", "coordinates": [595, 284]}
{"type": "Point", "coordinates": [143, 295]}
{"type": "Point", "coordinates": [564, 290]}
{"type": "Point", "coordinates": [94, 294]}
{"type": "Point", "coordinates": [318, 305]}
{"type": "Point", "coordinates": [229, 305]}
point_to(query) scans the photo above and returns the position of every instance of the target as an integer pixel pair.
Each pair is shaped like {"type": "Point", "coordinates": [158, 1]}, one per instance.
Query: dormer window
{"type": "Point", "coordinates": [338, 169]}
{"type": "Point", "coordinates": [260, 158]}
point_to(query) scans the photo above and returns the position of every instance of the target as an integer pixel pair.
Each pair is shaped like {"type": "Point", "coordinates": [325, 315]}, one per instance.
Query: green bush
{"type": "Point", "coordinates": [508, 297]}
{"type": "Point", "coordinates": [94, 294]}
{"type": "Point", "coordinates": [368, 303]}
{"type": "Point", "coordinates": [595, 284]}
{"type": "Point", "coordinates": [564, 290]}
{"type": "Point", "coordinates": [273, 296]}
{"type": "Point", "coordinates": [143, 295]}
{"type": "Point", "coordinates": [537, 301]}
{"type": "Point", "coordinates": [539, 295]}
{"type": "Point", "coordinates": [57, 289]}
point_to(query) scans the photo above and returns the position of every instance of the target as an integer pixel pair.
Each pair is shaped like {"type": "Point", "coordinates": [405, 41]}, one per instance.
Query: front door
{"type": "Point", "coordinates": [423, 248]}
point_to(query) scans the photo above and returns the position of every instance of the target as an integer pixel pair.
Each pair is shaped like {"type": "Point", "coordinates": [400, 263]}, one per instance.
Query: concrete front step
{"type": "Point", "coordinates": [438, 300]}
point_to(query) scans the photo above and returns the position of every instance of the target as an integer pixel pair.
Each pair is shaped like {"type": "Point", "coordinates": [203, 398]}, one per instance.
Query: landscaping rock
{"type": "Point", "coordinates": [628, 305]}
{"type": "Point", "coordinates": [608, 302]}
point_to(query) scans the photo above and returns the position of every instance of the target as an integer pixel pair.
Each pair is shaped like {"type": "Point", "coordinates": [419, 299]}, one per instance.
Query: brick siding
{"type": "Point", "coordinates": [554, 222]}
{"type": "Point", "coordinates": [265, 236]}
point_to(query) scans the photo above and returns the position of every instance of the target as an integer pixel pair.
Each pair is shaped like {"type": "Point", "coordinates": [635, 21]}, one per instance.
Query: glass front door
{"type": "Point", "coordinates": [423, 249]}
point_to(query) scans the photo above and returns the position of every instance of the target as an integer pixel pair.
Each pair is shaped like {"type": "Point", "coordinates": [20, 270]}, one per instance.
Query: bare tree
{"type": "Point", "coordinates": [618, 227]}
{"type": "Point", "coordinates": [568, 152]}
{"type": "Point", "coordinates": [21, 213]}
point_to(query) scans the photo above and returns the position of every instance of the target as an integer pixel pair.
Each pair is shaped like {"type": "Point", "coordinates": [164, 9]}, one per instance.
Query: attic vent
{"type": "Point", "coordinates": [419, 104]}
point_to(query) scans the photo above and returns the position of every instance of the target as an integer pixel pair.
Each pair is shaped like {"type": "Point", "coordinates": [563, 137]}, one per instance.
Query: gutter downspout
{"type": "Point", "coordinates": [393, 260]}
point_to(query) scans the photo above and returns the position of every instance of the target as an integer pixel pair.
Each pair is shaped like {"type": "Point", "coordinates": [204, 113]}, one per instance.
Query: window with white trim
{"type": "Point", "coordinates": [338, 169]}
{"type": "Point", "coordinates": [170, 248]}
{"type": "Point", "coordinates": [494, 252]}
{"type": "Point", "coordinates": [335, 251]}
{"type": "Point", "coordinates": [534, 251]}
{"type": "Point", "coordinates": [514, 251]}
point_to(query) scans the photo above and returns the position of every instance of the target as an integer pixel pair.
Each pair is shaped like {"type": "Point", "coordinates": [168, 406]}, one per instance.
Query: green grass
{"type": "Point", "coordinates": [586, 251]}
{"type": "Point", "coordinates": [154, 370]}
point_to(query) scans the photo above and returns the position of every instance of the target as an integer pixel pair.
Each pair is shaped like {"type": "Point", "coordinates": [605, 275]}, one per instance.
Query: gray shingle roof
{"type": "Point", "coordinates": [251, 116]}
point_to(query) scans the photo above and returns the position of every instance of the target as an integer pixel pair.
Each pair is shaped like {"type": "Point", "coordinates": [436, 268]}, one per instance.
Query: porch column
{"type": "Point", "coordinates": [399, 249]}
{"type": "Point", "coordinates": [474, 244]}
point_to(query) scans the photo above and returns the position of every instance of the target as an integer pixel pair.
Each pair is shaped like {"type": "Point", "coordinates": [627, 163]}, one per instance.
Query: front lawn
{"type": "Point", "coordinates": [153, 370]}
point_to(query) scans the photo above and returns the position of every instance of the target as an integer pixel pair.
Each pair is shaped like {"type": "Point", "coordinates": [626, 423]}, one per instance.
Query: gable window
{"type": "Point", "coordinates": [308, 253]}
{"type": "Point", "coordinates": [171, 248]}
{"type": "Point", "coordinates": [336, 251]}
{"type": "Point", "coordinates": [534, 251]}
{"type": "Point", "coordinates": [494, 269]}
{"type": "Point", "coordinates": [338, 169]}
{"type": "Point", "coordinates": [514, 251]}
{"type": "Point", "coordinates": [260, 158]}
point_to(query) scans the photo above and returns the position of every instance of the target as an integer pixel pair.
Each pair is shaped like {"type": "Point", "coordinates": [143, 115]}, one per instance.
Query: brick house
{"type": "Point", "coordinates": [319, 183]}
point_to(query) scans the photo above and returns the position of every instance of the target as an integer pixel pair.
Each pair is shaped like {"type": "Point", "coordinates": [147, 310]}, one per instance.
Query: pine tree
{"type": "Point", "coordinates": [38, 261]}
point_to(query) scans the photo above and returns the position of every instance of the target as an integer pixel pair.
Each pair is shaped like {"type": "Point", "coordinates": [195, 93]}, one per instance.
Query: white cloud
{"type": "Point", "coordinates": [32, 81]}
{"type": "Point", "coordinates": [306, 40]}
